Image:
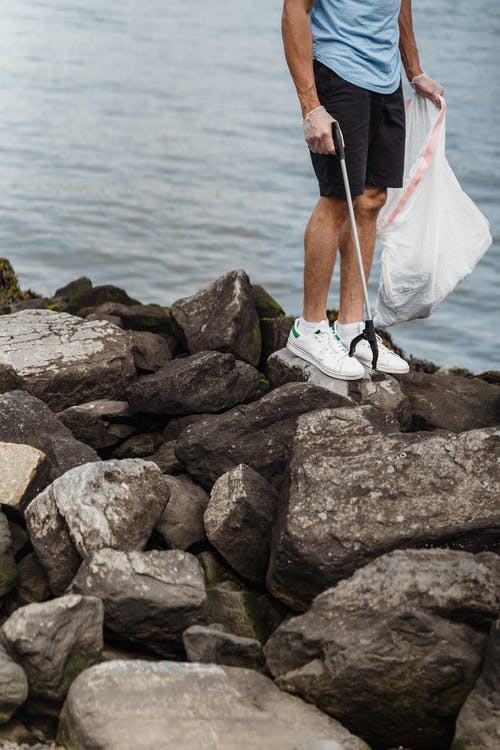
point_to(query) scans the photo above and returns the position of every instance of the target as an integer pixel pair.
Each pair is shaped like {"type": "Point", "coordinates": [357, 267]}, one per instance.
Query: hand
{"type": "Point", "coordinates": [426, 86]}
{"type": "Point", "coordinates": [318, 131]}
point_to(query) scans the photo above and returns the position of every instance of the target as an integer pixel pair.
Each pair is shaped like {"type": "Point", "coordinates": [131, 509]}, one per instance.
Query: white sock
{"type": "Point", "coordinates": [305, 327]}
{"type": "Point", "coordinates": [347, 331]}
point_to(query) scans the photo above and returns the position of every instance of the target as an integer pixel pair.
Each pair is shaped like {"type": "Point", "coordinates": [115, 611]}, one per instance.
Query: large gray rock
{"type": "Point", "coordinates": [258, 434]}
{"type": "Point", "coordinates": [25, 471]}
{"type": "Point", "coordinates": [107, 504]}
{"type": "Point", "coordinates": [394, 650]}
{"type": "Point", "coordinates": [13, 686]}
{"type": "Point", "coordinates": [149, 597]}
{"type": "Point", "coordinates": [478, 723]}
{"type": "Point", "coordinates": [64, 360]}
{"type": "Point", "coordinates": [450, 402]}
{"type": "Point", "coordinates": [239, 519]}
{"type": "Point", "coordinates": [124, 705]}
{"type": "Point", "coordinates": [8, 570]}
{"type": "Point", "coordinates": [204, 382]}
{"type": "Point", "coordinates": [212, 645]}
{"type": "Point", "coordinates": [181, 523]}
{"type": "Point", "coordinates": [151, 350]}
{"type": "Point", "coordinates": [152, 318]}
{"type": "Point", "coordinates": [54, 641]}
{"type": "Point", "coordinates": [100, 424]}
{"type": "Point", "coordinates": [285, 367]}
{"type": "Point", "coordinates": [26, 420]}
{"type": "Point", "coordinates": [222, 316]}
{"type": "Point", "coordinates": [358, 489]}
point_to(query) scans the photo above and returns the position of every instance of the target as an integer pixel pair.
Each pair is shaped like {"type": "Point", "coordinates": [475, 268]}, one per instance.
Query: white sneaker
{"type": "Point", "coordinates": [324, 349]}
{"type": "Point", "coordinates": [388, 361]}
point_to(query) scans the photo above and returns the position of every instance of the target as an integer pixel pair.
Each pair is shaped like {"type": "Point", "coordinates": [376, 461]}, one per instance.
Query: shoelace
{"type": "Point", "coordinates": [331, 342]}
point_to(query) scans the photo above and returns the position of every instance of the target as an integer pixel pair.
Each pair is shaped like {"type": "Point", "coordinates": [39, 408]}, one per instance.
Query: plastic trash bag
{"type": "Point", "coordinates": [432, 233]}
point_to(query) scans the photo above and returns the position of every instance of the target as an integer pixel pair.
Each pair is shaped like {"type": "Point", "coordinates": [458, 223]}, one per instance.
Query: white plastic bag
{"type": "Point", "coordinates": [432, 234]}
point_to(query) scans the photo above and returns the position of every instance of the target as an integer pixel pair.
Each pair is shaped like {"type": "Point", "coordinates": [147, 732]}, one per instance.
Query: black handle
{"type": "Point", "coordinates": [338, 140]}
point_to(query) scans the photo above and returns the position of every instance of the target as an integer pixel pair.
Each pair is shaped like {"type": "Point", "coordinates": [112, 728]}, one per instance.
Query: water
{"type": "Point", "coordinates": [156, 145]}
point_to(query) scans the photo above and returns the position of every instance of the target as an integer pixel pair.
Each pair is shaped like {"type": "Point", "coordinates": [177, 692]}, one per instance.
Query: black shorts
{"type": "Point", "coordinates": [373, 126]}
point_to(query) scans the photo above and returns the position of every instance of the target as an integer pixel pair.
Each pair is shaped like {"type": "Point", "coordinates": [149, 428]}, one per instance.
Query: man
{"type": "Point", "coordinates": [345, 58]}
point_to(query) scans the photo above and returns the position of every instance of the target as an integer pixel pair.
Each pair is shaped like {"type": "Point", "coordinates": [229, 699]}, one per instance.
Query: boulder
{"type": "Point", "coordinates": [151, 318]}
{"type": "Point", "coordinates": [451, 402]}
{"type": "Point", "coordinates": [101, 424]}
{"type": "Point", "coordinates": [176, 425]}
{"type": "Point", "coordinates": [358, 489]}
{"type": "Point", "coordinates": [212, 645]}
{"type": "Point", "coordinates": [8, 570]}
{"type": "Point", "coordinates": [139, 446]}
{"type": "Point", "coordinates": [79, 295]}
{"type": "Point", "coordinates": [9, 379]}
{"type": "Point", "coordinates": [393, 651]}
{"type": "Point", "coordinates": [107, 504]}
{"type": "Point", "coordinates": [165, 458]}
{"type": "Point", "coordinates": [265, 304]}
{"type": "Point", "coordinates": [13, 686]}
{"type": "Point", "coordinates": [151, 350]}
{"type": "Point", "coordinates": [384, 391]}
{"type": "Point", "coordinates": [258, 434]}
{"type": "Point", "coordinates": [149, 597]}
{"type": "Point", "coordinates": [239, 519]}
{"type": "Point", "coordinates": [54, 641]}
{"type": "Point", "coordinates": [25, 471]}
{"type": "Point", "coordinates": [124, 705]}
{"type": "Point", "coordinates": [181, 523]}
{"type": "Point", "coordinates": [203, 382]}
{"type": "Point", "coordinates": [64, 360]}
{"type": "Point", "coordinates": [285, 367]}
{"type": "Point", "coordinates": [223, 317]}
{"type": "Point", "coordinates": [27, 420]}
{"type": "Point", "coordinates": [478, 723]}
{"type": "Point", "coordinates": [32, 583]}
{"type": "Point", "coordinates": [275, 333]}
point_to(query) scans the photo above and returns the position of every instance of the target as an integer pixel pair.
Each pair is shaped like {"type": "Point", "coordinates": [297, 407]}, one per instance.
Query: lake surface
{"type": "Point", "coordinates": [156, 145]}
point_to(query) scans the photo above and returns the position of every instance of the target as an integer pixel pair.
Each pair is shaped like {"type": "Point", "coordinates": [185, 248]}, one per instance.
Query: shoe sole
{"type": "Point", "coordinates": [308, 358]}
{"type": "Point", "coordinates": [382, 368]}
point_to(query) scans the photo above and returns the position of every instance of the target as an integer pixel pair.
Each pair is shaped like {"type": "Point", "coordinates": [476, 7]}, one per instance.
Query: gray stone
{"type": "Point", "coordinates": [165, 458]}
{"type": "Point", "coordinates": [107, 504]}
{"type": "Point", "coordinates": [384, 391]}
{"type": "Point", "coordinates": [79, 298]}
{"type": "Point", "coordinates": [9, 379]}
{"type": "Point", "coordinates": [54, 641]}
{"type": "Point", "coordinates": [203, 382]}
{"type": "Point", "coordinates": [25, 471]}
{"type": "Point", "coordinates": [151, 350]}
{"type": "Point", "coordinates": [27, 420]}
{"type": "Point", "coordinates": [258, 434]}
{"type": "Point", "coordinates": [100, 424]}
{"type": "Point", "coordinates": [275, 333]}
{"type": "Point", "coordinates": [181, 523]}
{"type": "Point", "coordinates": [13, 686]}
{"type": "Point", "coordinates": [394, 650]}
{"type": "Point", "coordinates": [139, 446]}
{"type": "Point", "coordinates": [284, 367]}
{"type": "Point", "coordinates": [211, 645]}
{"type": "Point", "coordinates": [451, 402]}
{"type": "Point", "coordinates": [8, 570]}
{"type": "Point", "coordinates": [138, 317]}
{"type": "Point", "coordinates": [124, 705]}
{"type": "Point", "coordinates": [64, 360]}
{"type": "Point", "coordinates": [32, 584]}
{"type": "Point", "coordinates": [223, 317]}
{"type": "Point", "coordinates": [478, 723]}
{"type": "Point", "coordinates": [176, 425]}
{"type": "Point", "coordinates": [239, 519]}
{"type": "Point", "coordinates": [149, 597]}
{"type": "Point", "coordinates": [358, 489]}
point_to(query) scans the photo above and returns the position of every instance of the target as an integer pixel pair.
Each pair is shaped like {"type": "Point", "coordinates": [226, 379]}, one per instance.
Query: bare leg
{"type": "Point", "coordinates": [321, 242]}
{"type": "Point", "coordinates": [366, 209]}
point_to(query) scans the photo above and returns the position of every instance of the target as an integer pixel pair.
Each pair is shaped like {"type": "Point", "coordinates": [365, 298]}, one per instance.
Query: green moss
{"type": "Point", "coordinates": [8, 577]}
{"type": "Point", "coordinates": [54, 307]}
{"type": "Point", "coordinates": [77, 662]}
{"type": "Point", "coordinates": [255, 345]}
{"type": "Point", "coordinates": [266, 305]}
{"type": "Point", "coordinates": [64, 736]}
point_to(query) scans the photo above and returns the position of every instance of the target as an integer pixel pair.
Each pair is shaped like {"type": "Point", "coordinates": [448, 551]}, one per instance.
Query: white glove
{"type": "Point", "coordinates": [318, 131]}
{"type": "Point", "coordinates": [426, 86]}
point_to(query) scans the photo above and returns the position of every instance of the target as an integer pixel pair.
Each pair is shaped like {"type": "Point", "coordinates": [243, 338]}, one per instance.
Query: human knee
{"type": "Point", "coordinates": [372, 200]}
{"type": "Point", "coordinates": [333, 206]}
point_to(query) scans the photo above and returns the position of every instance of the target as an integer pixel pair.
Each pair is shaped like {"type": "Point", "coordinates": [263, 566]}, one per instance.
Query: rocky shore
{"type": "Point", "coordinates": [205, 543]}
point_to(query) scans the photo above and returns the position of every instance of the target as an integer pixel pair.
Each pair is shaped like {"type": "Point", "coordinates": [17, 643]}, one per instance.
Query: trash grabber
{"type": "Point", "coordinates": [369, 331]}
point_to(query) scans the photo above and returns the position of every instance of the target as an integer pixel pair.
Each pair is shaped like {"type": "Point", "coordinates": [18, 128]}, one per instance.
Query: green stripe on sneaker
{"type": "Point", "coordinates": [295, 332]}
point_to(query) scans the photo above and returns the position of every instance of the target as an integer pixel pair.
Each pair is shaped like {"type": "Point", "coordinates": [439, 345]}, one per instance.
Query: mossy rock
{"type": "Point", "coordinates": [10, 291]}
{"type": "Point", "coordinates": [255, 345]}
{"type": "Point", "coordinates": [265, 304]}
{"type": "Point", "coordinates": [242, 611]}
{"type": "Point", "coordinates": [8, 577]}
{"type": "Point", "coordinates": [76, 663]}
{"type": "Point", "coordinates": [215, 570]}
{"type": "Point", "coordinates": [98, 295]}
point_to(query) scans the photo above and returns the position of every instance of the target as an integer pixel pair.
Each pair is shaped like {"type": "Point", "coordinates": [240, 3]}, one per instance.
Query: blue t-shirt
{"type": "Point", "coordinates": [359, 40]}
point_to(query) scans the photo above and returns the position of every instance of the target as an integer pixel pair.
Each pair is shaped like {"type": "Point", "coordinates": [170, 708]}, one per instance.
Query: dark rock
{"type": "Point", "coordinates": [258, 434]}
{"type": "Point", "coordinates": [95, 296]}
{"type": "Point", "coordinates": [38, 303]}
{"type": "Point", "coordinates": [393, 651]}
{"type": "Point", "coordinates": [100, 424]}
{"type": "Point", "coordinates": [203, 382]}
{"type": "Point", "coordinates": [74, 288]}
{"type": "Point", "coordinates": [110, 318]}
{"type": "Point", "coordinates": [149, 598]}
{"type": "Point", "coordinates": [451, 402]}
{"type": "Point", "coordinates": [177, 424]}
{"type": "Point", "coordinates": [151, 351]}
{"type": "Point", "coordinates": [223, 317]}
{"type": "Point", "coordinates": [13, 686]}
{"type": "Point", "coordinates": [9, 379]}
{"type": "Point", "coordinates": [358, 488]}
{"type": "Point", "coordinates": [284, 367]}
{"type": "Point", "coordinates": [211, 645]}
{"type": "Point", "coordinates": [239, 518]}
{"type": "Point", "coordinates": [181, 523]}
{"type": "Point", "coordinates": [490, 376]}
{"type": "Point", "coordinates": [478, 723]}
{"type": "Point", "coordinates": [139, 446]}
{"type": "Point", "coordinates": [64, 360]}
{"type": "Point", "coordinates": [27, 420]}
{"type": "Point", "coordinates": [8, 570]}
{"type": "Point", "coordinates": [54, 642]}
{"type": "Point", "coordinates": [125, 705]}
{"type": "Point", "coordinates": [265, 304]}
{"type": "Point", "coordinates": [137, 317]}
{"type": "Point", "coordinates": [24, 471]}
{"type": "Point", "coordinates": [32, 584]}
{"type": "Point", "coordinates": [107, 504]}
{"type": "Point", "coordinates": [166, 459]}
{"type": "Point", "coordinates": [384, 391]}
{"type": "Point", "coordinates": [10, 291]}
{"type": "Point", "coordinates": [274, 336]}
